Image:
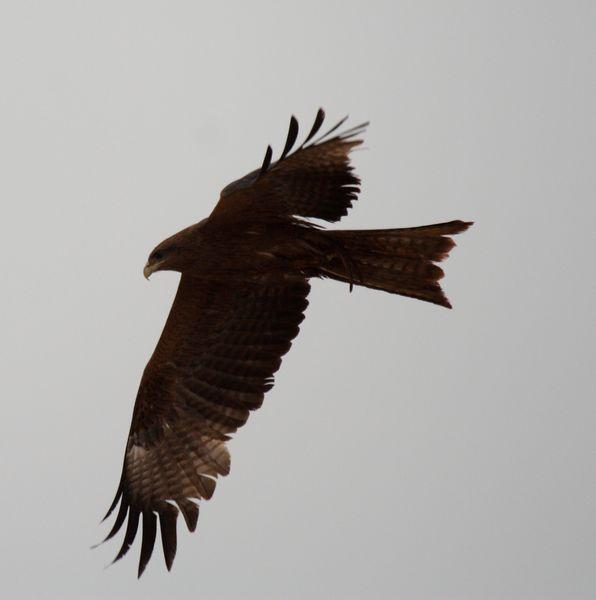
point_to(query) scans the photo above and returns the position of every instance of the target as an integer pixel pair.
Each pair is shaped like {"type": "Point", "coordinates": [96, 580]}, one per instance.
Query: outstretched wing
{"type": "Point", "coordinates": [316, 180]}
{"type": "Point", "coordinates": [220, 347]}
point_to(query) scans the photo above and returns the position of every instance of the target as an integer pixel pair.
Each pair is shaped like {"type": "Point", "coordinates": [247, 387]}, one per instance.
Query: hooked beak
{"type": "Point", "coordinates": [149, 268]}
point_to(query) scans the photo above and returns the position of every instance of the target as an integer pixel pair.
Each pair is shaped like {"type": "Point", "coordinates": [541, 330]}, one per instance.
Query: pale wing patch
{"type": "Point", "coordinates": [181, 466]}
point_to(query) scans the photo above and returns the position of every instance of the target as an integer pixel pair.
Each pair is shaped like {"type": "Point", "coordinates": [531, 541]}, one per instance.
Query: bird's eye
{"type": "Point", "coordinates": [157, 255]}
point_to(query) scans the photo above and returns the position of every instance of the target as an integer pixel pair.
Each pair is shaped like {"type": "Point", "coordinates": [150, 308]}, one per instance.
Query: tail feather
{"type": "Point", "coordinates": [399, 261]}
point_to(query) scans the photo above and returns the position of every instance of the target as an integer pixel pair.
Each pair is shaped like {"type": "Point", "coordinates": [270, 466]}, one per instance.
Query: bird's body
{"type": "Point", "coordinates": [242, 294]}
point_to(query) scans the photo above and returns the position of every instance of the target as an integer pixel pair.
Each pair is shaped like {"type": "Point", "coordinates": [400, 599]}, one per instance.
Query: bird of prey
{"type": "Point", "coordinates": [243, 289]}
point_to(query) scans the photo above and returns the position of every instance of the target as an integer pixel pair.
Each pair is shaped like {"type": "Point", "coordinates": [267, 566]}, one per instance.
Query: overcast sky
{"type": "Point", "coordinates": [406, 451]}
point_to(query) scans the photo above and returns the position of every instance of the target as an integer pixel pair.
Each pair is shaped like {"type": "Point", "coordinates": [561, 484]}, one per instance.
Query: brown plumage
{"type": "Point", "coordinates": [240, 301]}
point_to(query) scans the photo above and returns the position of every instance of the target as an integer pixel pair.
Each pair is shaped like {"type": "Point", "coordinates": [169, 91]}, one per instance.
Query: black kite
{"type": "Point", "coordinates": [241, 298]}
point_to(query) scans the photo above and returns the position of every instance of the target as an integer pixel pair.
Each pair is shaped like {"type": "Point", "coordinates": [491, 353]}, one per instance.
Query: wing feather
{"type": "Point", "coordinates": [167, 524]}
{"type": "Point", "coordinates": [266, 160]}
{"type": "Point", "coordinates": [148, 540]}
{"type": "Point", "coordinates": [291, 139]}
{"type": "Point", "coordinates": [130, 534]}
{"type": "Point", "coordinates": [315, 127]}
{"type": "Point", "coordinates": [190, 512]}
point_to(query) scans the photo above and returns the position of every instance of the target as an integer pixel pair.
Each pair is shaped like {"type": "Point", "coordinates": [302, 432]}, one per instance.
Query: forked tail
{"type": "Point", "coordinates": [400, 261]}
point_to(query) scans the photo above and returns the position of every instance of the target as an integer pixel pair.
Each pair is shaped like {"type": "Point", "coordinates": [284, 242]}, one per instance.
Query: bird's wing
{"type": "Point", "coordinates": [216, 358]}
{"type": "Point", "coordinates": [314, 181]}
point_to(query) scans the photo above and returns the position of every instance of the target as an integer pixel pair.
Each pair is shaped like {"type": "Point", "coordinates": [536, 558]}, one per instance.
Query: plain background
{"type": "Point", "coordinates": [406, 451]}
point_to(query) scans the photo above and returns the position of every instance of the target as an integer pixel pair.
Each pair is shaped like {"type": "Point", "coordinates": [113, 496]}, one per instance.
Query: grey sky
{"type": "Point", "coordinates": [406, 451]}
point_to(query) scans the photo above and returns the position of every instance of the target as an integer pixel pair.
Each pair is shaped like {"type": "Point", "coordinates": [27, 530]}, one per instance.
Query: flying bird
{"type": "Point", "coordinates": [243, 290]}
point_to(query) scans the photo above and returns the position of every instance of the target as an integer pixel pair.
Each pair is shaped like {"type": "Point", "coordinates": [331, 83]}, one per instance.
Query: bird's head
{"type": "Point", "coordinates": [176, 253]}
